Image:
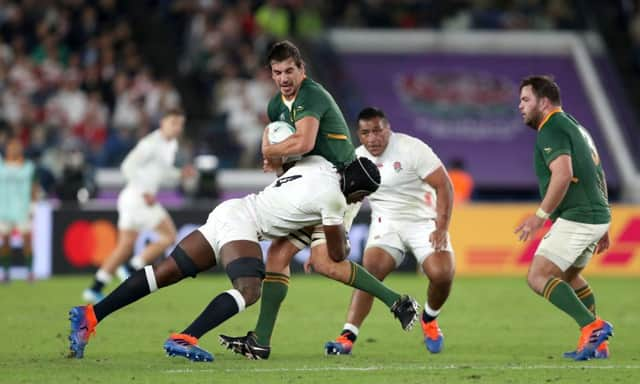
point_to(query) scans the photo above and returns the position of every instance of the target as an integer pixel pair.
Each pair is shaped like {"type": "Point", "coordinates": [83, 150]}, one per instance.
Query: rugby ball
{"type": "Point", "coordinates": [278, 131]}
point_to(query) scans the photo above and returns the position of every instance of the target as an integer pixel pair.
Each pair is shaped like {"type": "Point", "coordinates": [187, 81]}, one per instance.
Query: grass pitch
{"type": "Point", "coordinates": [496, 331]}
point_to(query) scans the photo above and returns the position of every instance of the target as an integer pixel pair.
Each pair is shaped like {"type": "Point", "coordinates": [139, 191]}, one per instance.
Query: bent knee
{"type": "Point", "coordinates": [250, 291]}
{"type": "Point", "coordinates": [326, 268]}
{"type": "Point", "coordinates": [167, 239]}
{"type": "Point", "coordinates": [442, 275]}
{"type": "Point", "coordinates": [537, 281]}
{"type": "Point", "coordinates": [172, 237]}
{"type": "Point", "coordinates": [377, 270]}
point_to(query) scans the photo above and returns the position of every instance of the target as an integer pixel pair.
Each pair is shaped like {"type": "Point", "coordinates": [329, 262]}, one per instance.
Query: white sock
{"type": "Point", "coordinates": [429, 311]}
{"type": "Point", "coordinates": [137, 262]}
{"type": "Point", "coordinates": [103, 276]}
{"type": "Point", "coordinates": [237, 296]}
{"type": "Point", "coordinates": [151, 278]}
{"type": "Point", "coordinates": [351, 328]}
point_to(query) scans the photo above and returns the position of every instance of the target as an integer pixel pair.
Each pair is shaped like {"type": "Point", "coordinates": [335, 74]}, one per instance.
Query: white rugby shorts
{"type": "Point", "coordinates": [229, 221]}
{"type": "Point", "coordinates": [398, 237]}
{"type": "Point", "coordinates": [570, 243]}
{"type": "Point", "coordinates": [134, 213]}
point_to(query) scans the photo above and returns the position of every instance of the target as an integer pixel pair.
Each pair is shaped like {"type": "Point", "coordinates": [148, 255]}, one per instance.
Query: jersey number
{"type": "Point", "coordinates": [590, 143]}
{"type": "Point", "coordinates": [287, 179]}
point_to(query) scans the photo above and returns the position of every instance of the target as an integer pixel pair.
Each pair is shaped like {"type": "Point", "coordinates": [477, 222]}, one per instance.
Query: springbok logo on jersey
{"type": "Point", "coordinates": [397, 166]}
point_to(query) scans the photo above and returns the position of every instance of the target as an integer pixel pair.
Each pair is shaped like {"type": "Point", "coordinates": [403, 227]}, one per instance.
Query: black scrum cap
{"type": "Point", "coordinates": [361, 175]}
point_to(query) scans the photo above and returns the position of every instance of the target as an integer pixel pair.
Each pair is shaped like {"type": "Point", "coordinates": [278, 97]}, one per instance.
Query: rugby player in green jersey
{"type": "Point", "coordinates": [574, 196]}
{"type": "Point", "coordinates": [320, 126]}
{"type": "Point", "coordinates": [320, 129]}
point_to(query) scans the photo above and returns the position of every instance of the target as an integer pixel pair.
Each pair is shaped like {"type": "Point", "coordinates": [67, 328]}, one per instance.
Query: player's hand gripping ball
{"type": "Point", "coordinates": [278, 131]}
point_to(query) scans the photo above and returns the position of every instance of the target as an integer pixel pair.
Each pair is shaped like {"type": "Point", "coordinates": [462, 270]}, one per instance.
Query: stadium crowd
{"type": "Point", "coordinates": [74, 87]}
{"type": "Point", "coordinates": [74, 77]}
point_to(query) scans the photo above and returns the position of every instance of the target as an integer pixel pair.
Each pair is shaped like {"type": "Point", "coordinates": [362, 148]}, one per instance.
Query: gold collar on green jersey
{"type": "Point", "coordinates": [548, 116]}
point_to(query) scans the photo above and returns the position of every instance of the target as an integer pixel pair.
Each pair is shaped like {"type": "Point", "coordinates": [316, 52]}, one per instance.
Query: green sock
{"type": "Point", "coordinates": [274, 290]}
{"type": "Point", "coordinates": [562, 296]}
{"type": "Point", "coordinates": [588, 299]}
{"type": "Point", "coordinates": [360, 278]}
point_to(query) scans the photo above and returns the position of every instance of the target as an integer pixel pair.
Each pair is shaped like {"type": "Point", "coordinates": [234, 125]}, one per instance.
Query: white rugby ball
{"type": "Point", "coordinates": [278, 131]}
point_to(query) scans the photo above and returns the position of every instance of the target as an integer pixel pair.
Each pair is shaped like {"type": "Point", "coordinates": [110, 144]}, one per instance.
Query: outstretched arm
{"type": "Point", "coordinates": [439, 180]}
{"type": "Point", "coordinates": [561, 175]}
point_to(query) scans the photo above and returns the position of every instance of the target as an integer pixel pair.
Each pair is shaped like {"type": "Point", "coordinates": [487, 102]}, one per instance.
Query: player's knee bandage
{"type": "Point", "coordinates": [184, 262]}
{"type": "Point", "coordinates": [245, 267]}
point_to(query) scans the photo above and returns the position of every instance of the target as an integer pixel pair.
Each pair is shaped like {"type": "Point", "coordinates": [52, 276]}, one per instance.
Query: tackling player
{"type": "Point", "coordinates": [309, 193]}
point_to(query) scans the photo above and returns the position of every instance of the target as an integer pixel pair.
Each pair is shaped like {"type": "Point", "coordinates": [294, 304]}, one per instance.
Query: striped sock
{"type": "Point", "coordinates": [585, 294]}
{"type": "Point", "coordinates": [274, 291]}
{"type": "Point", "coordinates": [562, 296]}
{"type": "Point", "coordinates": [360, 278]}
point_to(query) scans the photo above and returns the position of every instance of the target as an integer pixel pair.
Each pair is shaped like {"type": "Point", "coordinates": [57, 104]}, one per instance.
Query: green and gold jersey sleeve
{"type": "Point", "coordinates": [552, 143]}
{"type": "Point", "coordinates": [311, 101]}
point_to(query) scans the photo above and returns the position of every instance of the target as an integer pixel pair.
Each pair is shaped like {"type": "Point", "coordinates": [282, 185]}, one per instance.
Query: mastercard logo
{"type": "Point", "coordinates": [88, 243]}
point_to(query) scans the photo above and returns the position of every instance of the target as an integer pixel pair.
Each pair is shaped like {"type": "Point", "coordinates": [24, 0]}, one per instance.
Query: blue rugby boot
{"type": "Point", "coordinates": [83, 326]}
{"type": "Point", "coordinates": [592, 337]}
{"type": "Point", "coordinates": [341, 346]}
{"type": "Point", "coordinates": [179, 344]}
{"type": "Point", "coordinates": [433, 337]}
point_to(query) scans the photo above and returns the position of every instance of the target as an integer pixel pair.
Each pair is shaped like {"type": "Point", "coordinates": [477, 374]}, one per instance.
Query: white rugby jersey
{"type": "Point", "coordinates": [151, 162]}
{"type": "Point", "coordinates": [403, 195]}
{"type": "Point", "coordinates": [307, 194]}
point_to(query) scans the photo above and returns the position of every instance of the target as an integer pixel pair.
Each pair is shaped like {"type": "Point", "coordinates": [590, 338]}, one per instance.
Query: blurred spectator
{"type": "Point", "coordinates": [76, 184]}
{"type": "Point", "coordinates": [161, 97]}
{"type": "Point", "coordinates": [273, 17]}
{"type": "Point", "coordinates": [242, 120]}
{"type": "Point", "coordinates": [127, 114]}
{"type": "Point", "coordinates": [68, 106]}
{"type": "Point", "coordinates": [91, 130]}
{"type": "Point", "coordinates": [462, 181]}
{"type": "Point", "coordinates": [308, 18]}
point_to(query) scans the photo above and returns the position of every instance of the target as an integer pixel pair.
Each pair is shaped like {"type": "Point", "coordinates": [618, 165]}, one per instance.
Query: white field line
{"type": "Point", "coordinates": [409, 368]}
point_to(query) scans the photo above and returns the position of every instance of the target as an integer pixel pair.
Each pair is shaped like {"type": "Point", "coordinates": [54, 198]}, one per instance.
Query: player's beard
{"type": "Point", "coordinates": [534, 120]}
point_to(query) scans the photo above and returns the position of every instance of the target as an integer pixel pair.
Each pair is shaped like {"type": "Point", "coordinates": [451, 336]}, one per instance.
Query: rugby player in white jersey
{"type": "Point", "coordinates": [410, 211]}
{"type": "Point", "coordinates": [148, 165]}
{"type": "Point", "coordinates": [309, 193]}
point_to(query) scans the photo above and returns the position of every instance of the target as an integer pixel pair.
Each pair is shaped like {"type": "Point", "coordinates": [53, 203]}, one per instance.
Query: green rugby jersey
{"type": "Point", "coordinates": [15, 191]}
{"type": "Point", "coordinates": [586, 199]}
{"type": "Point", "coordinates": [334, 139]}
